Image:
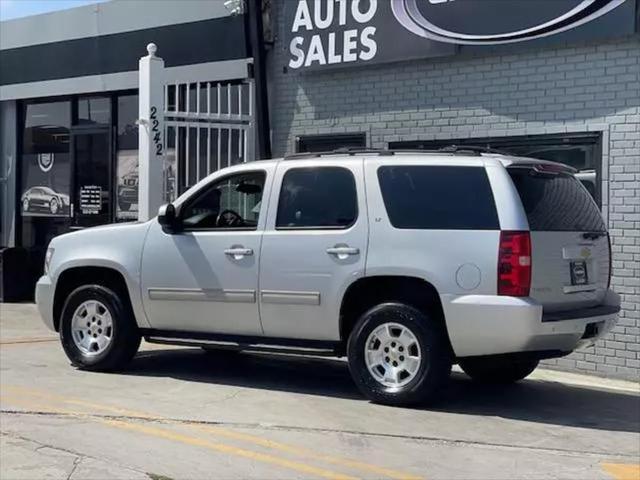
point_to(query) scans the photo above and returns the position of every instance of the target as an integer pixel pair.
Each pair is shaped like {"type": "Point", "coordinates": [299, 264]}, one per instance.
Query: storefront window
{"type": "Point", "coordinates": [94, 111]}
{"type": "Point", "coordinates": [45, 160]}
{"type": "Point", "coordinates": [330, 142]}
{"type": "Point", "coordinates": [127, 168]}
{"type": "Point", "coordinates": [46, 174]}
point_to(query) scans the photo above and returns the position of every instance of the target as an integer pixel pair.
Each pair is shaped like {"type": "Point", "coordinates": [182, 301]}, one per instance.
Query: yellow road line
{"type": "Point", "coordinates": [257, 440]}
{"type": "Point", "coordinates": [306, 453]}
{"type": "Point", "coordinates": [74, 401]}
{"type": "Point", "coordinates": [621, 471]}
{"type": "Point", "coordinates": [198, 442]}
{"type": "Point", "coordinates": [261, 457]}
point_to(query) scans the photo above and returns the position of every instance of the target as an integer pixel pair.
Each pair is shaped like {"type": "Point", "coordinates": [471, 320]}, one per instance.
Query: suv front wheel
{"type": "Point", "coordinates": [398, 355]}
{"type": "Point", "coordinates": [98, 330]}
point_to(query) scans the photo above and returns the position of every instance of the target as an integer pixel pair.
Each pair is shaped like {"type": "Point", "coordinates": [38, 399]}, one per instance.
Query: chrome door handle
{"type": "Point", "coordinates": [340, 251]}
{"type": "Point", "coordinates": [238, 251]}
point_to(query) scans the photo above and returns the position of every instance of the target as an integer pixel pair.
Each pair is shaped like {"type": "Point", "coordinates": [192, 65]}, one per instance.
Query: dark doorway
{"type": "Point", "coordinates": [92, 178]}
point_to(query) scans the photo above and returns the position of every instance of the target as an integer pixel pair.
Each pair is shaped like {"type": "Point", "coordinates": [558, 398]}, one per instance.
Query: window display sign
{"type": "Point", "coordinates": [45, 161]}
{"type": "Point", "coordinates": [127, 183]}
{"type": "Point", "coordinates": [90, 199]}
{"type": "Point", "coordinates": [46, 169]}
{"type": "Point", "coordinates": [324, 33]}
{"type": "Point", "coordinates": [46, 185]}
{"type": "Point", "coordinates": [127, 167]}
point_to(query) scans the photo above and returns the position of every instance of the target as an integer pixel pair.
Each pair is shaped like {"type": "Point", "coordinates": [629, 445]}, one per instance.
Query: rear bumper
{"type": "Point", "coordinates": [489, 325]}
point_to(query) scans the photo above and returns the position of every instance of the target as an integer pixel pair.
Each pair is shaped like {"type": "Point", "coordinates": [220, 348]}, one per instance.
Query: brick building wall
{"type": "Point", "coordinates": [583, 88]}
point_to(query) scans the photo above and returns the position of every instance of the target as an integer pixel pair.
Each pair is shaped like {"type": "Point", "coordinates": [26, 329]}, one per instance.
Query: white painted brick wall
{"type": "Point", "coordinates": [582, 88]}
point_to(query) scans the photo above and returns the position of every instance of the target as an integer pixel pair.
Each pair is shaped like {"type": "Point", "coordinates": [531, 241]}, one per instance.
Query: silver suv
{"type": "Point", "coordinates": [404, 262]}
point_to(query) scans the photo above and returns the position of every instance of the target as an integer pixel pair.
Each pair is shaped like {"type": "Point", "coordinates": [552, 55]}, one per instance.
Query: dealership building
{"type": "Point", "coordinates": [406, 80]}
{"type": "Point", "coordinates": [555, 80]}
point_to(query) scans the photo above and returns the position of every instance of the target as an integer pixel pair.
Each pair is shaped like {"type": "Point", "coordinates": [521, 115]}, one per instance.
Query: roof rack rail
{"type": "Point", "coordinates": [338, 151]}
{"type": "Point", "coordinates": [384, 151]}
{"type": "Point", "coordinates": [476, 150]}
{"type": "Point", "coordinates": [471, 148]}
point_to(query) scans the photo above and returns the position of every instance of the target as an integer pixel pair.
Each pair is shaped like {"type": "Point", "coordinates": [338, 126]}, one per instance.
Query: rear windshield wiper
{"type": "Point", "coordinates": [593, 235]}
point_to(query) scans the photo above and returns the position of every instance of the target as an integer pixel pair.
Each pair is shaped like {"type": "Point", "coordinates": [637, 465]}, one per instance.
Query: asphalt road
{"type": "Point", "coordinates": [179, 413]}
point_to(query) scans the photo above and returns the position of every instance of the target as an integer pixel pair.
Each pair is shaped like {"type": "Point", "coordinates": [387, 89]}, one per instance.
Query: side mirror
{"type": "Point", "coordinates": [167, 218]}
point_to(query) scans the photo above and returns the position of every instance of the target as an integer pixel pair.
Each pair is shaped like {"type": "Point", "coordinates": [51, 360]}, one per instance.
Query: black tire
{"type": "Point", "coordinates": [125, 339]}
{"type": "Point", "coordinates": [53, 206]}
{"type": "Point", "coordinates": [498, 370]}
{"type": "Point", "coordinates": [435, 365]}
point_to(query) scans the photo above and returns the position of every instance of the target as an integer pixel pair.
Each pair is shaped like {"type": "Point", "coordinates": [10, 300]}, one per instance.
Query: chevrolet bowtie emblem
{"type": "Point", "coordinates": [585, 252]}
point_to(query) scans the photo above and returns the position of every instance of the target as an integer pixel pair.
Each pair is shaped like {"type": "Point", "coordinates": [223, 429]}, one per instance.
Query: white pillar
{"type": "Point", "coordinates": [150, 134]}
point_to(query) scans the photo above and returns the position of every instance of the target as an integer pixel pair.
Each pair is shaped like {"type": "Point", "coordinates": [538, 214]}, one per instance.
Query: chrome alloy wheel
{"type": "Point", "coordinates": [392, 355]}
{"type": "Point", "coordinates": [92, 327]}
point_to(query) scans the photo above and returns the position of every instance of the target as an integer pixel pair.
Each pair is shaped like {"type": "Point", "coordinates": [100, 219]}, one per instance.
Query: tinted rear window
{"type": "Point", "coordinates": [442, 198]}
{"type": "Point", "coordinates": [556, 203]}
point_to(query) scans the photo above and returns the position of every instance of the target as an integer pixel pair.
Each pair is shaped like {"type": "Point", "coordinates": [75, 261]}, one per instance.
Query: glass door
{"type": "Point", "coordinates": [91, 204]}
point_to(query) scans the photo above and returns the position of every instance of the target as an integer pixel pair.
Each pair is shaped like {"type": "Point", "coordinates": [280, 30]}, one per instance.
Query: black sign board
{"type": "Point", "coordinates": [90, 199]}
{"type": "Point", "coordinates": [325, 33]}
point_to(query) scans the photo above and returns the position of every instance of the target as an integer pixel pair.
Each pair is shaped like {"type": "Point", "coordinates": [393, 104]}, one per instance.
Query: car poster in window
{"type": "Point", "coordinates": [46, 178]}
{"type": "Point", "coordinates": [127, 183]}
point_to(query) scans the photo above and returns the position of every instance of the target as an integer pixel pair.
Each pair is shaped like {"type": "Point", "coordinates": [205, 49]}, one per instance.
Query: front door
{"type": "Point", "coordinates": [314, 246]}
{"type": "Point", "coordinates": [204, 278]}
{"type": "Point", "coordinates": [91, 202]}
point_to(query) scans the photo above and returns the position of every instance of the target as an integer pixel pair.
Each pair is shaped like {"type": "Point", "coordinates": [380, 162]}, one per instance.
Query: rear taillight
{"type": "Point", "coordinates": [514, 264]}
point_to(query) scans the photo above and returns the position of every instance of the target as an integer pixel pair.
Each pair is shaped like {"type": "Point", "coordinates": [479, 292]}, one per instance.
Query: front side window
{"type": "Point", "coordinates": [317, 197]}
{"type": "Point", "coordinates": [438, 197]}
{"type": "Point", "coordinates": [231, 203]}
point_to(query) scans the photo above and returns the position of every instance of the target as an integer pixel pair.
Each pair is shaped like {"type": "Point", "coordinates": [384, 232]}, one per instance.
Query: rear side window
{"type": "Point", "coordinates": [442, 198]}
{"type": "Point", "coordinates": [556, 202]}
{"type": "Point", "coordinates": [318, 197]}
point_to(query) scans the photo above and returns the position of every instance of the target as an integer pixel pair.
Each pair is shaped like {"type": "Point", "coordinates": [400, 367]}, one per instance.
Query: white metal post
{"type": "Point", "coordinates": [150, 134]}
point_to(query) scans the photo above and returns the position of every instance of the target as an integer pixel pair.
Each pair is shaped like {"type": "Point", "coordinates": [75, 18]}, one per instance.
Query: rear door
{"type": "Point", "coordinates": [569, 243]}
{"type": "Point", "coordinates": [314, 246]}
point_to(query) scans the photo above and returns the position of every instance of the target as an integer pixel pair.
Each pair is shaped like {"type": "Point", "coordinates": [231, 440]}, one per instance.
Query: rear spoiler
{"type": "Point", "coordinates": [543, 167]}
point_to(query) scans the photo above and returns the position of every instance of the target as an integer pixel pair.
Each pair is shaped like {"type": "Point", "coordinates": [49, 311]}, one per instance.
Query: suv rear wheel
{"type": "Point", "coordinates": [498, 370]}
{"type": "Point", "coordinates": [398, 355]}
{"type": "Point", "coordinates": [98, 330]}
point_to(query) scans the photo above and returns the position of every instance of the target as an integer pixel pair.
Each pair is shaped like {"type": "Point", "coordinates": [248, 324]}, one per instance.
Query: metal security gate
{"type": "Point", "coordinates": [208, 126]}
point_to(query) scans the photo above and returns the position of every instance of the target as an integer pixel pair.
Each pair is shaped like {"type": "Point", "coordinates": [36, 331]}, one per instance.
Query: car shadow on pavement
{"type": "Point", "coordinates": [530, 400]}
